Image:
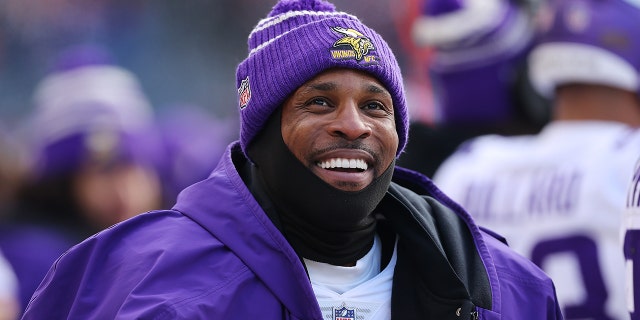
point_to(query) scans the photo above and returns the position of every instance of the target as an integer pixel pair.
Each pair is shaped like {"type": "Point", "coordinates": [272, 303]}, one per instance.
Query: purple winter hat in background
{"type": "Point", "coordinates": [588, 41]}
{"type": "Point", "coordinates": [88, 109]}
{"type": "Point", "coordinates": [479, 49]}
{"type": "Point", "coordinates": [300, 39]}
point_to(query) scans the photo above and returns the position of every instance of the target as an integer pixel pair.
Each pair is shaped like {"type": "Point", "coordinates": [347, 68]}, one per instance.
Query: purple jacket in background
{"type": "Point", "coordinates": [217, 255]}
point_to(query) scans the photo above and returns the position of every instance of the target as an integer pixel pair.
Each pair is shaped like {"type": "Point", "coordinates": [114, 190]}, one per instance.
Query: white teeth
{"type": "Point", "coordinates": [344, 163]}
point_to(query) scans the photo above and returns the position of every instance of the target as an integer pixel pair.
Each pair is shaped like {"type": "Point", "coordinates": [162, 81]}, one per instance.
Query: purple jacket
{"type": "Point", "coordinates": [217, 255]}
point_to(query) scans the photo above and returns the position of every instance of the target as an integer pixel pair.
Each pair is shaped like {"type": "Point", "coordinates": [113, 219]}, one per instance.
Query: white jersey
{"type": "Point", "coordinates": [361, 292]}
{"type": "Point", "coordinates": [632, 244]}
{"type": "Point", "coordinates": [558, 198]}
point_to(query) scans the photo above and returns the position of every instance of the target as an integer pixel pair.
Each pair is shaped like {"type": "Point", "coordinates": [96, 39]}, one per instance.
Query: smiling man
{"type": "Point", "coordinates": [306, 216]}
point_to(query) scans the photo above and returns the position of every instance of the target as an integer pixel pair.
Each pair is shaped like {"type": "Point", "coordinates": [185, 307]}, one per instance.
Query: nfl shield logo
{"type": "Point", "coordinates": [244, 93]}
{"type": "Point", "coordinates": [344, 314]}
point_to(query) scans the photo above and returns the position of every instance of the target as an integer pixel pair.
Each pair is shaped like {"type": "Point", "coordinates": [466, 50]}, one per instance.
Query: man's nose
{"type": "Point", "coordinates": [350, 122]}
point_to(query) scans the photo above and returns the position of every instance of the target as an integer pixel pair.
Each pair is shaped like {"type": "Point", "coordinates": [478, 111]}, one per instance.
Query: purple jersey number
{"type": "Point", "coordinates": [585, 251]}
{"type": "Point", "coordinates": [631, 246]}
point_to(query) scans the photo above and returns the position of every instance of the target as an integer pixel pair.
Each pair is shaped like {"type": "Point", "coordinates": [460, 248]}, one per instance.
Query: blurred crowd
{"type": "Point", "coordinates": [182, 52]}
{"type": "Point", "coordinates": [110, 108]}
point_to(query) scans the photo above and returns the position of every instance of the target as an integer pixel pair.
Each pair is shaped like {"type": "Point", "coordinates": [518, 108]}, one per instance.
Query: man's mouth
{"type": "Point", "coordinates": [344, 165]}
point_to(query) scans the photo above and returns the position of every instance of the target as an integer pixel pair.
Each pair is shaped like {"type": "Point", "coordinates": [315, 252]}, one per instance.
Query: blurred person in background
{"type": "Point", "coordinates": [94, 145]}
{"type": "Point", "coordinates": [631, 244]}
{"type": "Point", "coordinates": [558, 196]}
{"type": "Point", "coordinates": [477, 72]}
{"type": "Point", "coordinates": [92, 153]}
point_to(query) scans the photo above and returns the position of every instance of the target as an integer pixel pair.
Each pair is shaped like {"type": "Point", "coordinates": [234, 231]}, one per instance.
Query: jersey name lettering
{"type": "Point", "coordinates": [534, 194]}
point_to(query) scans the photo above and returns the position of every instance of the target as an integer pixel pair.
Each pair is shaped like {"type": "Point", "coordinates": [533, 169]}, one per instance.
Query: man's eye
{"type": "Point", "coordinates": [318, 101]}
{"type": "Point", "coordinates": [376, 106]}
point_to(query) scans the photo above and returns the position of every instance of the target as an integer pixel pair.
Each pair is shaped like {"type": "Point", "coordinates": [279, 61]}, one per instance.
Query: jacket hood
{"type": "Point", "coordinates": [249, 234]}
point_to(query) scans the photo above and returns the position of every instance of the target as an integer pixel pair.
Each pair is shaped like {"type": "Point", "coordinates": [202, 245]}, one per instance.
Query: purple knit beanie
{"type": "Point", "coordinates": [588, 41]}
{"type": "Point", "coordinates": [300, 39]}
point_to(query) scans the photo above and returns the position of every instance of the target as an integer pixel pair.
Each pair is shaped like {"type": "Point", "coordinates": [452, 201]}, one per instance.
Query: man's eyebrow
{"type": "Point", "coordinates": [376, 89]}
{"type": "Point", "coordinates": [322, 86]}
{"type": "Point", "coordinates": [330, 86]}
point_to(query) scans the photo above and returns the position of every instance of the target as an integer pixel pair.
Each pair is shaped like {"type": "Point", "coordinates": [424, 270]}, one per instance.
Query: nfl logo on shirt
{"type": "Point", "coordinates": [344, 314]}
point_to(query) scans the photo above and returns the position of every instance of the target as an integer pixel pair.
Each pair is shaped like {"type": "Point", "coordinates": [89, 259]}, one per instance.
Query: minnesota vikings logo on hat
{"type": "Point", "coordinates": [359, 46]}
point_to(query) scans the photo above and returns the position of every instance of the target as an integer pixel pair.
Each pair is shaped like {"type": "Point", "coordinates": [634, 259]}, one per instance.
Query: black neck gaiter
{"type": "Point", "coordinates": [322, 223]}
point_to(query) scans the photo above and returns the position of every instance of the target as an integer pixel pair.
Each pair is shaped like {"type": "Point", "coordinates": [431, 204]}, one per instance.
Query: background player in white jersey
{"type": "Point", "coordinates": [632, 244]}
{"type": "Point", "coordinates": [558, 196]}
